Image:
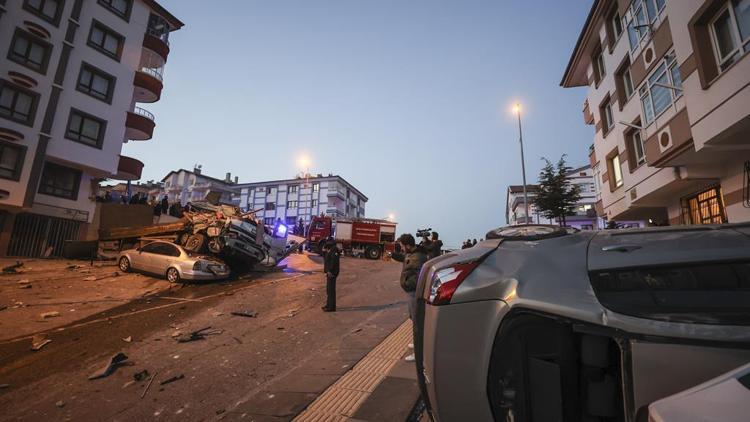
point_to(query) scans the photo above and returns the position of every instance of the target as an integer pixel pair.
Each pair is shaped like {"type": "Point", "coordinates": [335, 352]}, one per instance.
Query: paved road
{"type": "Point", "coordinates": [264, 368]}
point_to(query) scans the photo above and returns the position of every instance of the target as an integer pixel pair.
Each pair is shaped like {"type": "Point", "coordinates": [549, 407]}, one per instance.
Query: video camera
{"type": "Point", "coordinates": [424, 232]}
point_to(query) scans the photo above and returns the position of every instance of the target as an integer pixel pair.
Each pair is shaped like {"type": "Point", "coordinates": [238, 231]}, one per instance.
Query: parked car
{"type": "Point", "coordinates": [540, 323]}
{"type": "Point", "coordinates": [172, 261]}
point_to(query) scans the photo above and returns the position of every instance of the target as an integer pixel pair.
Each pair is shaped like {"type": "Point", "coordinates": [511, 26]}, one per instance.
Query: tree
{"type": "Point", "coordinates": [556, 196]}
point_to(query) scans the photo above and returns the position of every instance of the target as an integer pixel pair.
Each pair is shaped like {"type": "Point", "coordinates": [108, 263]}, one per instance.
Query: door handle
{"type": "Point", "coordinates": [621, 248]}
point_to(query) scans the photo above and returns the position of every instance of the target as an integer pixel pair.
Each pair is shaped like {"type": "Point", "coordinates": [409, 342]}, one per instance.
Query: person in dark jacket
{"type": "Point", "coordinates": [436, 246]}
{"type": "Point", "coordinates": [413, 257]}
{"type": "Point", "coordinates": [165, 205]}
{"type": "Point", "coordinates": [331, 269]}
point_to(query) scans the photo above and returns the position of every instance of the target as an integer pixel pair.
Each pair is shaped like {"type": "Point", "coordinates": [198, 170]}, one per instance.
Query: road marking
{"type": "Point", "coordinates": [342, 399]}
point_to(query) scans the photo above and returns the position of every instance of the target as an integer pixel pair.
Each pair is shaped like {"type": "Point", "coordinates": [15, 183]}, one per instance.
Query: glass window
{"type": "Point", "coordinates": [120, 8]}
{"type": "Point", "coordinates": [627, 82]}
{"type": "Point", "coordinates": [657, 93]}
{"type": "Point", "coordinates": [16, 103]}
{"type": "Point", "coordinates": [724, 36]}
{"type": "Point", "coordinates": [48, 10]}
{"type": "Point", "coordinates": [316, 187]}
{"type": "Point", "coordinates": [85, 129]}
{"type": "Point", "coordinates": [616, 171]}
{"type": "Point", "coordinates": [30, 51]}
{"type": "Point", "coordinates": [293, 188]}
{"type": "Point", "coordinates": [105, 40]}
{"type": "Point", "coordinates": [742, 14]}
{"type": "Point", "coordinates": [607, 117]}
{"type": "Point", "coordinates": [60, 181]}
{"type": "Point", "coordinates": [150, 248]}
{"type": "Point", "coordinates": [96, 83]}
{"type": "Point", "coordinates": [291, 204]}
{"type": "Point", "coordinates": [11, 160]}
{"type": "Point", "coordinates": [640, 155]}
{"type": "Point", "coordinates": [314, 203]}
{"type": "Point", "coordinates": [270, 206]}
{"type": "Point", "coordinates": [616, 23]}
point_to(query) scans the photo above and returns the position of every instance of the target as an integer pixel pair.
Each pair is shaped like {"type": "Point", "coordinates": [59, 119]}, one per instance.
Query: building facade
{"type": "Point", "coordinates": [71, 76]}
{"type": "Point", "coordinates": [301, 198]}
{"type": "Point", "coordinates": [183, 186]}
{"type": "Point", "coordinates": [668, 91]}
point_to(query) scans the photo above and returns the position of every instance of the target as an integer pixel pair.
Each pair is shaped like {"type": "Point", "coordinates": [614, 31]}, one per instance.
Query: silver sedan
{"type": "Point", "coordinates": [173, 262]}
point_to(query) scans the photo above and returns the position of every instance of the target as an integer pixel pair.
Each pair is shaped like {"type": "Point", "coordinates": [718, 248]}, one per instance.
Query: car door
{"type": "Point", "coordinates": [143, 259]}
{"type": "Point", "coordinates": [165, 256]}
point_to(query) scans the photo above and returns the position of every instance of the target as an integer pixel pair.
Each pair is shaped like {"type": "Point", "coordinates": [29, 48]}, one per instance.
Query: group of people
{"type": "Point", "coordinates": [469, 243]}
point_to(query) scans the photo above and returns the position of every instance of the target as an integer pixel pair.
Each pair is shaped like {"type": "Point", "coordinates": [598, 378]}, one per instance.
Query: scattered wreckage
{"type": "Point", "coordinates": [222, 231]}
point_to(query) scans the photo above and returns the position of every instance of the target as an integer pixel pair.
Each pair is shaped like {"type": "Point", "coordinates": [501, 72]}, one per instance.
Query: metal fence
{"type": "Point", "coordinates": [36, 235]}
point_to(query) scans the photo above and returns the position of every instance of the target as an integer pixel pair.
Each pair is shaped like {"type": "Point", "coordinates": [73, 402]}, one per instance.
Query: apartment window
{"type": "Point", "coordinates": [96, 83]}
{"type": "Point", "coordinates": [605, 113]}
{"type": "Point", "coordinates": [17, 103]}
{"type": "Point", "coordinates": [270, 206]}
{"type": "Point", "coordinates": [627, 82]}
{"type": "Point", "coordinates": [85, 128]}
{"type": "Point", "coordinates": [49, 10]}
{"type": "Point", "coordinates": [638, 151]}
{"type": "Point", "coordinates": [316, 187]}
{"type": "Point", "coordinates": [30, 51]}
{"type": "Point", "coordinates": [293, 188]}
{"type": "Point", "coordinates": [268, 221]}
{"type": "Point", "coordinates": [657, 92]}
{"type": "Point", "coordinates": [599, 70]}
{"type": "Point", "coordinates": [120, 8]}
{"type": "Point", "coordinates": [704, 208]}
{"type": "Point", "coordinates": [60, 181]}
{"type": "Point", "coordinates": [11, 160]}
{"type": "Point", "coordinates": [730, 32]}
{"type": "Point", "coordinates": [106, 40]}
{"type": "Point", "coordinates": [642, 14]}
{"type": "Point", "coordinates": [291, 221]}
{"type": "Point", "coordinates": [615, 171]}
{"type": "Point", "coordinates": [291, 204]}
{"type": "Point", "coordinates": [314, 203]}
{"type": "Point", "coordinates": [616, 24]}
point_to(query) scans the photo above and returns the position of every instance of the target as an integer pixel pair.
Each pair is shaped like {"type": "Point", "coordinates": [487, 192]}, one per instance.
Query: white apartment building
{"type": "Point", "coordinates": [183, 186]}
{"type": "Point", "coordinates": [301, 198]}
{"type": "Point", "coordinates": [71, 76]}
{"type": "Point", "coordinates": [669, 95]}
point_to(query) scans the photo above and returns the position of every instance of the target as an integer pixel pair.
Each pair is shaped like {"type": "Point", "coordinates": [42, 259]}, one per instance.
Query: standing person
{"type": "Point", "coordinates": [466, 244]}
{"type": "Point", "coordinates": [413, 257]}
{"type": "Point", "coordinates": [436, 246]}
{"type": "Point", "coordinates": [165, 205]}
{"type": "Point", "coordinates": [474, 242]}
{"type": "Point", "coordinates": [331, 269]}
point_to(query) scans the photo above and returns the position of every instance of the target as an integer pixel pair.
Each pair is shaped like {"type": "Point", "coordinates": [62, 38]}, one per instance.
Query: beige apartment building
{"type": "Point", "coordinates": [72, 76]}
{"type": "Point", "coordinates": [669, 95]}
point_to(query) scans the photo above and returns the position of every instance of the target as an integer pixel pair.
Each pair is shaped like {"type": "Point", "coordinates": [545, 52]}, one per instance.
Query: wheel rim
{"type": "Point", "coordinates": [172, 275]}
{"type": "Point", "coordinates": [124, 264]}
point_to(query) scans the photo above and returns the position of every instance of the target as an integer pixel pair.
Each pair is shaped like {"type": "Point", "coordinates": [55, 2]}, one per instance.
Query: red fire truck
{"type": "Point", "coordinates": [356, 237]}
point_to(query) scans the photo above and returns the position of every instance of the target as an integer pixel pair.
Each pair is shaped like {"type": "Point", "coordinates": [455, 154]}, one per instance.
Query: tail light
{"type": "Point", "coordinates": [446, 280]}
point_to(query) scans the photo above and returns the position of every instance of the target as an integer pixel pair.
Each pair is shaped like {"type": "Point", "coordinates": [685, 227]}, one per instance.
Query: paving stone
{"type": "Point", "coordinates": [392, 400]}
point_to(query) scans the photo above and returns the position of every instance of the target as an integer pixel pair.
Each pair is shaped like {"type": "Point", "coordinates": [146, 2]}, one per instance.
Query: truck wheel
{"type": "Point", "coordinates": [214, 245]}
{"type": "Point", "coordinates": [195, 242]}
{"type": "Point", "coordinates": [372, 252]}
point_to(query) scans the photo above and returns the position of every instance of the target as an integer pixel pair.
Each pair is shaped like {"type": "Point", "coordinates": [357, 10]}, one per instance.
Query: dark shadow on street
{"type": "Point", "coordinates": [369, 307]}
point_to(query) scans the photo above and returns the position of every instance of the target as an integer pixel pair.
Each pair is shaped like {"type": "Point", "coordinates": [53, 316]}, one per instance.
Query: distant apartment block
{"type": "Point", "coordinates": [301, 198]}
{"type": "Point", "coordinates": [71, 75]}
{"type": "Point", "coordinates": [669, 95]}
{"type": "Point", "coordinates": [183, 186]}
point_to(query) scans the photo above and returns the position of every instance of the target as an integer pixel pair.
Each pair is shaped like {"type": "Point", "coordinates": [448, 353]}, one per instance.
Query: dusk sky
{"type": "Point", "coordinates": [407, 100]}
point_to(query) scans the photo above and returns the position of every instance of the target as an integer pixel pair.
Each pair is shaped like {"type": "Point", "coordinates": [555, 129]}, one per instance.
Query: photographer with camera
{"type": "Point", "coordinates": [413, 257]}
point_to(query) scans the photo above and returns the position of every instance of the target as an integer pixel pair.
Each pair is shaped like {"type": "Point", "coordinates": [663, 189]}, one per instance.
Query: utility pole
{"type": "Point", "coordinates": [517, 109]}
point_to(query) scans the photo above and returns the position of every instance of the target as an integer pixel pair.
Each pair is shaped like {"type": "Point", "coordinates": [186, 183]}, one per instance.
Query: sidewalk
{"type": "Point", "coordinates": [380, 387]}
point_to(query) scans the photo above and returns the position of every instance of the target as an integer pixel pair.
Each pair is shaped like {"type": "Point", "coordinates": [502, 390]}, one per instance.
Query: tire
{"type": "Point", "coordinates": [124, 264]}
{"type": "Point", "coordinates": [173, 276]}
{"type": "Point", "coordinates": [214, 245]}
{"type": "Point", "coordinates": [195, 242]}
{"type": "Point", "coordinates": [372, 252]}
{"type": "Point", "coordinates": [182, 239]}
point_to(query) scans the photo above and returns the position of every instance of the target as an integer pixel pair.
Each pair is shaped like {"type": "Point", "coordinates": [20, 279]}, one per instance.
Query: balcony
{"type": "Point", "coordinates": [128, 169]}
{"type": "Point", "coordinates": [147, 85]}
{"type": "Point", "coordinates": [157, 36]}
{"type": "Point", "coordinates": [588, 117]}
{"type": "Point", "coordinates": [139, 125]}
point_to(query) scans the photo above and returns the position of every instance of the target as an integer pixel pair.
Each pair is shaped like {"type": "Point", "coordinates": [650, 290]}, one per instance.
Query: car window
{"type": "Point", "coordinates": [170, 250]}
{"type": "Point", "coordinates": [150, 248]}
{"type": "Point", "coordinates": [161, 249]}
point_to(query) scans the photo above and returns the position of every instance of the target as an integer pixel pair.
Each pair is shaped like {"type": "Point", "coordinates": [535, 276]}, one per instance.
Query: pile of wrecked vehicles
{"type": "Point", "coordinates": [216, 234]}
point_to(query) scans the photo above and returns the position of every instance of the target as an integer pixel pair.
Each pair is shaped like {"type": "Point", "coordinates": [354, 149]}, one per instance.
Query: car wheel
{"type": "Point", "coordinates": [372, 252]}
{"type": "Point", "coordinates": [195, 242]}
{"type": "Point", "coordinates": [173, 276]}
{"type": "Point", "coordinates": [124, 264]}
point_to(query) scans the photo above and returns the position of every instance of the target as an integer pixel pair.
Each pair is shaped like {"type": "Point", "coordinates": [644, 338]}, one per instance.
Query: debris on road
{"type": "Point", "coordinates": [90, 278]}
{"type": "Point", "coordinates": [292, 312]}
{"type": "Point", "coordinates": [3, 307]}
{"type": "Point", "coordinates": [198, 335]}
{"type": "Point", "coordinates": [60, 404]}
{"type": "Point", "coordinates": [141, 376]}
{"type": "Point", "coordinates": [145, 390]}
{"type": "Point", "coordinates": [4, 386]}
{"type": "Point", "coordinates": [50, 314]}
{"type": "Point", "coordinates": [114, 362]}
{"type": "Point", "coordinates": [248, 313]}
{"type": "Point", "coordinates": [13, 269]}
{"type": "Point", "coordinates": [24, 286]}
{"type": "Point", "coordinates": [128, 384]}
{"type": "Point", "coordinates": [218, 314]}
{"type": "Point", "coordinates": [128, 339]}
{"type": "Point", "coordinates": [173, 379]}
{"type": "Point", "coordinates": [39, 341]}
{"type": "Point", "coordinates": [24, 281]}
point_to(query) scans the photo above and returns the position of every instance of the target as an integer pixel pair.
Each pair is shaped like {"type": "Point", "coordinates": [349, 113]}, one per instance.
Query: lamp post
{"type": "Point", "coordinates": [517, 110]}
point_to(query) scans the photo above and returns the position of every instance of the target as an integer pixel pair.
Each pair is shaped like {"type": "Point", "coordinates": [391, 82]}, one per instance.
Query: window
{"type": "Point", "coordinates": [11, 160]}
{"type": "Point", "coordinates": [605, 111]}
{"type": "Point", "coordinates": [293, 188]}
{"type": "Point", "coordinates": [105, 40]}
{"type": "Point", "coordinates": [638, 150]}
{"type": "Point", "coordinates": [599, 69]}
{"type": "Point", "coordinates": [291, 204]}
{"type": "Point", "coordinates": [316, 187]}
{"type": "Point", "coordinates": [661, 89]}
{"type": "Point", "coordinates": [627, 82]}
{"type": "Point", "coordinates": [616, 24]}
{"type": "Point", "coordinates": [314, 203]}
{"type": "Point", "coordinates": [268, 221]}
{"type": "Point", "coordinates": [60, 181]}
{"type": "Point", "coordinates": [85, 128]}
{"type": "Point", "coordinates": [48, 10]}
{"type": "Point", "coordinates": [615, 175]}
{"type": "Point", "coordinates": [704, 208]}
{"type": "Point", "coordinates": [291, 221]}
{"type": "Point", "coordinates": [730, 31]}
{"type": "Point", "coordinates": [96, 83]}
{"type": "Point", "coordinates": [30, 51]}
{"type": "Point", "coordinates": [17, 103]}
{"type": "Point", "coordinates": [120, 8]}
{"type": "Point", "coordinates": [270, 206]}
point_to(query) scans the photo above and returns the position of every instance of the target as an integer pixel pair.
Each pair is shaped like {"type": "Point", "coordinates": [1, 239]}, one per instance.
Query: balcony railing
{"type": "Point", "coordinates": [143, 112]}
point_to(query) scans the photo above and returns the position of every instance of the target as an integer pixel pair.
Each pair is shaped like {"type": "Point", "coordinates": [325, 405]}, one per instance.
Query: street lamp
{"type": "Point", "coordinates": [517, 110]}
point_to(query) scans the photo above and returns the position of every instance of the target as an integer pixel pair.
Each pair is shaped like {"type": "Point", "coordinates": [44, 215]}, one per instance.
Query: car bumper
{"type": "Point", "coordinates": [204, 275]}
{"type": "Point", "coordinates": [455, 344]}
